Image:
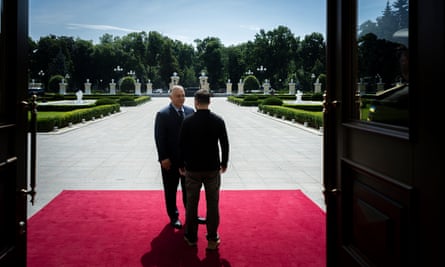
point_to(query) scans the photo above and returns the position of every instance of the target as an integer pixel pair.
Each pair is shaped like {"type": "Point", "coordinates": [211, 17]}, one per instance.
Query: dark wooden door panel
{"type": "Point", "coordinates": [377, 214]}
{"type": "Point", "coordinates": [13, 131]}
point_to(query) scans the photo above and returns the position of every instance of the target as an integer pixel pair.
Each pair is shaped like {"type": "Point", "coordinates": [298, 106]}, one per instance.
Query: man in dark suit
{"type": "Point", "coordinates": [167, 125]}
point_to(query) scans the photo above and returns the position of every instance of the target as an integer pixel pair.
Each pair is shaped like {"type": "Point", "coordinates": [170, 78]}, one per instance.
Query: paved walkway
{"type": "Point", "coordinates": [118, 153]}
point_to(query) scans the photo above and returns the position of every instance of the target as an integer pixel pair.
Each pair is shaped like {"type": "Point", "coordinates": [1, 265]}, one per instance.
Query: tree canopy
{"type": "Point", "coordinates": [152, 56]}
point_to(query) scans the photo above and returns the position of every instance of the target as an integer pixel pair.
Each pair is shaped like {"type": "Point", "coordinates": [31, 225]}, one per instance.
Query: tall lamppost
{"type": "Point", "coordinates": [249, 72]}
{"type": "Point", "coordinates": [132, 73]}
{"type": "Point", "coordinates": [118, 69]}
{"type": "Point", "coordinates": [261, 69]}
{"type": "Point", "coordinates": [41, 74]}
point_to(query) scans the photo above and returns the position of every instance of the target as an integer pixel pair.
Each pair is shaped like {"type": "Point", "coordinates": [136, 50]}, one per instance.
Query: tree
{"type": "Point", "coordinates": [127, 84]}
{"type": "Point", "coordinates": [377, 58]}
{"type": "Point", "coordinates": [401, 13]}
{"type": "Point", "coordinates": [275, 50]}
{"type": "Point", "coordinates": [168, 63]}
{"type": "Point", "coordinates": [390, 22]}
{"type": "Point", "coordinates": [251, 83]}
{"type": "Point", "coordinates": [155, 43]}
{"type": "Point", "coordinates": [210, 54]}
{"type": "Point", "coordinates": [185, 55]}
{"type": "Point", "coordinates": [387, 24]}
{"type": "Point", "coordinates": [235, 63]}
{"type": "Point", "coordinates": [313, 57]}
{"type": "Point", "coordinates": [156, 57]}
{"type": "Point", "coordinates": [82, 63]}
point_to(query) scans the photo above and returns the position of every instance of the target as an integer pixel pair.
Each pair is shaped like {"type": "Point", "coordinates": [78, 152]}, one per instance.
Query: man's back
{"type": "Point", "coordinates": [201, 135]}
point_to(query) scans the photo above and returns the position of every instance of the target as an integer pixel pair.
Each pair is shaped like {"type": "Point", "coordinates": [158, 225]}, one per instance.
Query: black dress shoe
{"type": "Point", "coordinates": [201, 220]}
{"type": "Point", "coordinates": [176, 224]}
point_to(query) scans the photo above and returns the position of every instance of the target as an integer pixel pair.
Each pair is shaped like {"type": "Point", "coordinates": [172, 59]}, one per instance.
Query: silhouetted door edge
{"type": "Point", "coordinates": [13, 131]}
{"type": "Point", "coordinates": [383, 184]}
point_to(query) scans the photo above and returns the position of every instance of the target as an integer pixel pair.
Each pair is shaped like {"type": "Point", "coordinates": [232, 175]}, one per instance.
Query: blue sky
{"type": "Point", "coordinates": [233, 21]}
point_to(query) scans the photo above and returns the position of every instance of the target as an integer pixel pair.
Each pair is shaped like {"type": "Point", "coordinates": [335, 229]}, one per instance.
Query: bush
{"type": "Point", "coordinates": [251, 98]}
{"type": "Point", "coordinates": [53, 83]}
{"type": "Point", "coordinates": [56, 107]}
{"type": "Point", "coordinates": [127, 101]}
{"type": "Point", "coordinates": [317, 97]}
{"type": "Point", "coordinates": [307, 107]}
{"type": "Point", "coordinates": [251, 83]}
{"type": "Point", "coordinates": [142, 99]}
{"type": "Point", "coordinates": [105, 101]}
{"type": "Point", "coordinates": [128, 84]}
{"type": "Point", "coordinates": [62, 119]}
{"type": "Point", "coordinates": [314, 119]}
{"type": "Point", "coordinates": [273, 101]}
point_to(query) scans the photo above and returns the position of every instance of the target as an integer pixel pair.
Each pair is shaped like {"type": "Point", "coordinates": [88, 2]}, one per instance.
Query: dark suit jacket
{"type": "Point", "coordinates": [167, 126]}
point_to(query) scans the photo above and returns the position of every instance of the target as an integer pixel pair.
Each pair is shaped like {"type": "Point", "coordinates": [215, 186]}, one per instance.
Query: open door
{"type": "Point", "coordinates": [383, 148]}
{"type": "Point", "coordinates": [13, 131]}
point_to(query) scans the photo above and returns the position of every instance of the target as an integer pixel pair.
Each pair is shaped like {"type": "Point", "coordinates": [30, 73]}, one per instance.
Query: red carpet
{"type": "Point", "coordinates": [129, 228]}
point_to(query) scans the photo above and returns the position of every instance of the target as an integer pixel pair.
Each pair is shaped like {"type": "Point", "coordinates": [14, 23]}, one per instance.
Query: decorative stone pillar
{"type": "Point", "coordinates": [292, 87]}
{"type": "Point", "coordinates": [361, 87]}
{"type": "Point", "coordinates": [380, 84]}
{"type": "Point", "coordinates": [240, 87]}
{"type": "Point", "coordinates": [137, 86]}
{"type": "Point", "coordinates": [87, 87]}
{"type": "Point", "coordinates": [229, 87]}
{"type": "Point", "coordinates": [203, 84]}
{"type": "Point", "coordinates": [174, 80]}
{"type": "Point", "coordinates": [149, 87]}
{"type": "Point", "coordinates": [317, 86]}
{"type": "Point", "coordinates": [266, 86]}
{"type": "Point", "coordinates": [112, 87]}
{"type": "Point", "coordinates": [34, 85]}
{"type": "Point", "coordinates": [62, 87]}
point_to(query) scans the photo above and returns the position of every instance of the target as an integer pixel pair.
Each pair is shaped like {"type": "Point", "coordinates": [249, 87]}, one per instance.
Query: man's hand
{"type": "Point", "coordinates": [222, 169]}
{"type": "Point", "coordinates": [166, 164]}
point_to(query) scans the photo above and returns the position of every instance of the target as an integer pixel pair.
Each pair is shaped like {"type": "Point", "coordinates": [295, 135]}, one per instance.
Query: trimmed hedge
{"type": "Point", "coordinates": [131, 101]}
{"type": "Point", "coordinates": [307, 107]}
{"type": "Point", "coordinates": [56, 107]}
{"type": "Point", "coordinates": [313, 114]}
{"type": "Point", "coordinates": [251, 101]}
{"type": "Point", "coordinates": [66, 114]}
{"type": "Point", "coordinates": [313, 119]}
{"type": "Point", "coordinates": [61, 120]}
{"type": "Point", "coordinates": [105, 101]}
{"type": "Point", "coordinates": [127, 101]}
{"type": "Point", "coordinates": [272, 101]}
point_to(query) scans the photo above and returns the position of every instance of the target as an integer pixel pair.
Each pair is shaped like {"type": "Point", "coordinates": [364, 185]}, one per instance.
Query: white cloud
{"type": "Point", "coordinates": [99, 27]}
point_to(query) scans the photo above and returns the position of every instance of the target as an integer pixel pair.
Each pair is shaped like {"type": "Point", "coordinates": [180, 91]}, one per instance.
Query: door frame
{"type": "Point", "coordinates": [14, 117]}
{"type": "Point", "coordinates": [423, 140]}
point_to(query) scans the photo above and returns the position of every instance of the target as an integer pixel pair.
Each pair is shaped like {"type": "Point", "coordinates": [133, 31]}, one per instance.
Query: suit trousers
{"type": "Point", "coordinates": [193, 183]}
{"type": "Point", "coordinates": [170, 181]}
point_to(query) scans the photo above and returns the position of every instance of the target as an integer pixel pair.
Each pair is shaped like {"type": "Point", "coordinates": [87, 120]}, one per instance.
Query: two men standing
{"type": "Point", "coordinates": [190, 149]}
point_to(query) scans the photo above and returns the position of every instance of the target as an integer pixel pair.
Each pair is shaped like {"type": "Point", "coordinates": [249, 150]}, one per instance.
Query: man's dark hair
{"type": "Point", "coordinates": [202, 96]}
